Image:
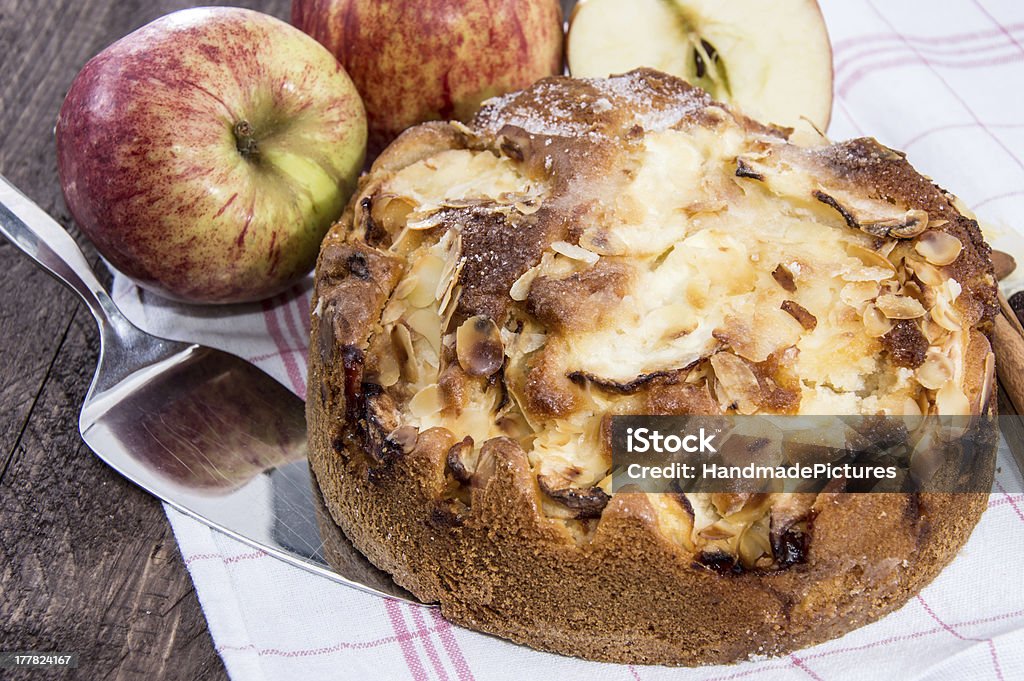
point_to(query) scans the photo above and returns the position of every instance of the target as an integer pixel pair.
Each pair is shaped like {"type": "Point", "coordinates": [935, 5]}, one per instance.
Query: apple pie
{"type": "Point", "coordinates": [496, 291]}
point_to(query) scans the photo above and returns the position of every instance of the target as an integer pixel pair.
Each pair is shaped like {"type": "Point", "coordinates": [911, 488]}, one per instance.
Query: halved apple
{"type": "Point", "coordinates": [771, 59]}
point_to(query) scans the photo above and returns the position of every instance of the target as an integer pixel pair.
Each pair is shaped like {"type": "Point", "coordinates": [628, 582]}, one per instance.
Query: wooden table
{"type": "Point", "coordinates": [87, 561]}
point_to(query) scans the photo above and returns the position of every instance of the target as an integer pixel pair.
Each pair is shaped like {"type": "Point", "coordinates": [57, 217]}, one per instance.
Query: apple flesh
{"type": "Point", "coordinates": [434, 59]}
{"type": "Point", "coordinates": [207, 153]}
{"type": "Point", "coordinates": [771, 59]}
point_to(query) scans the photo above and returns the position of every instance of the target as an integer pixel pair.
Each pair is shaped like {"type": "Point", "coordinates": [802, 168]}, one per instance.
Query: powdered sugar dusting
{"type": "Point", "coordinates": [566, 107]}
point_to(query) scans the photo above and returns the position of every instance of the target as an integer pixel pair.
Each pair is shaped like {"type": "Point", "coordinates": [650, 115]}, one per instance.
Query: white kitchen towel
{"type": "Point", "coordinates": [942, 80]}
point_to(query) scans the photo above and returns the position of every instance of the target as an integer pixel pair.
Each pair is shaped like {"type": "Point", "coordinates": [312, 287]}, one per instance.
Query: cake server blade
{"type": "Point", "coordinates": [203, 430]}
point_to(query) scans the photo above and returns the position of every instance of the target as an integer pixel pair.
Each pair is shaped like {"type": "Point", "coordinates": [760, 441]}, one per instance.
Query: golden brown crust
{"type": "Point", "coordinates": [629, 595]}
{"type": "Point", "coordinates": [613, 582]}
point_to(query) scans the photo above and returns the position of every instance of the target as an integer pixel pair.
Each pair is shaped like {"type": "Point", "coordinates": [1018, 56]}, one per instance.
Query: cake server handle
{"type": "Point", "coordinates": [41, 238]}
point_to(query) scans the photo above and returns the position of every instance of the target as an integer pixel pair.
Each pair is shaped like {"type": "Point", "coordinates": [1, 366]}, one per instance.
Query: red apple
{"type": "Point", "coordinates": [207, 153]}
{"type": "Point", "coordinates": [434, 59]}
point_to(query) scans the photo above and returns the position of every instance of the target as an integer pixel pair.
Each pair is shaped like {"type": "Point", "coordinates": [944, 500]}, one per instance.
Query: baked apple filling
{"type": "Point", "coordinates": [717, 269]}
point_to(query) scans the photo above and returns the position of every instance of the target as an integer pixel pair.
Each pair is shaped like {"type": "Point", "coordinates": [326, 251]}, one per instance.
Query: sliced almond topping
{"type": "Point", "coordinates": [602, 242]}
{"type": "Point", "coordinates": [727, 503]}
{"type": "Point", "coordinates": [426, 402]}
{"type": "Point", "coordinates": [701, 511]}
{"type": "Point", "coordinates": [427, 324]}
{"type": "Point", "coordinates": [460, 461]}
{"type": "Point", "coordinates": [926, 459]}
{"type": "Point", "coordinates": [875, 217]}
{"type": "Point", "coordinates": [426, 273]}
{"type": "Point", "coordinates": [389, 371]}
{"type": "Point", "coordinates": [871, 258]}
{"type": "Point", "coordinates": [521, 287]}
{"type": "Point", "coordinates": [756, 337]}
{"type": "Point", "coordinates": [867, 274]}
{"type": "Point", "coordinates": [527, 195]}
{"type": "Point", "coordinates": [876, 324]}
{"type": "Point", "coordinates": [936, 370]}
{"type": "Point", "coordinates": [890, 287]}
{"type": "Point", "coordinates": [887, 247]}
{"type": "Point", "coordinates": [951, 401]}
{"type": "Point", "coordinates": [938, 248]}
{"type": "Point", "coordinates": [929, 275]}
{"type": "Point", "coordinates": [462, 127]}
{"type": "Point", "coordinates": [575, 252]}
{"type": "Point", "coordinates": [911, 407]}
{"type": "Point", "coordinates": [528, 207]}
{"type": "Point", "coordinates": [447, 309]}
{"type": "Point", "coordinates": [508, 337]}
{"type": "Point", "coordinates": [673, 519]}
{"type": "Point", "coordinates": [913, 223]}
{"type": "Point", "coordinates": [405, 287]}
{"type": "Point", "coordinates": [945, 316]}
{"type": "Point", "coordinates": [932, 331]}
{"type": "Point", "coordinates": [698, 292]}
{"type": "Point", "coordinates": [953, 289]}
{"type": "Point", "coordinates": [393, 312]}
{"type": "Point", "coordinates": [405, 437]}
{"type": "Point", "coordinates": [513, 425]}
{"type": "Point", "coordinates": [478, 346]}
{"type": "Point", "coordinates": [419, 221]}
{"type": "Point", "coordinates": [629, 209]}
{"type": "Point", "coordinates": [719, 530]}
{"type": "Point", "coordinates": [453, 262]}
{"type": "Point", "coordinates": [857, 293]}
{"type": "Point", "coordinates": [401, 340]}
{"type": "Point", "coordinates": [390, 212]}
{"type": "Point", "coordinates": [451, 292]}
{"type": "Point", "coordinates": [923, 403]}
{"type": "Point", "coordinates": [530, 342]}
{"type": "Point", "coordinates": [709, 206]}
{"type": "Point", "coordinates": [899, 307]}
{"type": "Point", "coordinates": [737, 380]}
{"type": "Point", "coordinates": [755, 546]}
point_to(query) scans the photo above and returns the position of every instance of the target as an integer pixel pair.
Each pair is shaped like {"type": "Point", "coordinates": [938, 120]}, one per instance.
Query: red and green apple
{"type": "Point", "coordinates": [434, 59]}
{"type": "Point", "coordinates": [207, 153]}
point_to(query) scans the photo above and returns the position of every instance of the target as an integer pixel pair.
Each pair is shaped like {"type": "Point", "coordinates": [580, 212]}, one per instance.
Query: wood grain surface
{"type": "Point", "coordinates": [87, 561]}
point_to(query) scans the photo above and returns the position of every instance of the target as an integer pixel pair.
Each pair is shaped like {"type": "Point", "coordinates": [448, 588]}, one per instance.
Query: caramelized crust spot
{"type": "Point", "coordinates": [580, 301]}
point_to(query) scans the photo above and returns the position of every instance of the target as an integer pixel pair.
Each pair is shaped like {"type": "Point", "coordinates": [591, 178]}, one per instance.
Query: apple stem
{"type": "Point", "coordinates": [245, 139]}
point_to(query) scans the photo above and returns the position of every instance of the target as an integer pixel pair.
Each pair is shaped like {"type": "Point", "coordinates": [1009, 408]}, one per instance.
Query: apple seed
{"type": "Point", "coordinates": [698, 59]}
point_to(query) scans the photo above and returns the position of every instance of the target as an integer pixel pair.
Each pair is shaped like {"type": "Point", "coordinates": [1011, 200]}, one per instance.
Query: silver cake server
{"type": "Point", "coordinates": [201, 429]}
